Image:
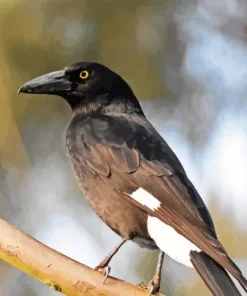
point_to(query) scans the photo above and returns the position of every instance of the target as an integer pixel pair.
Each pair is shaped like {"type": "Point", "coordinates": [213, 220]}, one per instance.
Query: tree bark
{"type": "Point", "coordinates": [56, 270]}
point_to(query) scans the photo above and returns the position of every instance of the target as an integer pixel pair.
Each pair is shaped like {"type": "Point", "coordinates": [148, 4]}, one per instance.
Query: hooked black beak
{"type": "Point", "coordinates": [51, 83]}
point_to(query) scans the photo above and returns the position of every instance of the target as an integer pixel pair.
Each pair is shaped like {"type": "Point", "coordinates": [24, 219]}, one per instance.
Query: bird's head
{"type": "Point", "coordinates": [82, 84]}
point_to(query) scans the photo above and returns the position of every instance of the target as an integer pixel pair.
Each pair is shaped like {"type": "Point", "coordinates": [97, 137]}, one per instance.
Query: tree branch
{"type": "Point", "coordinates": [56, 270]}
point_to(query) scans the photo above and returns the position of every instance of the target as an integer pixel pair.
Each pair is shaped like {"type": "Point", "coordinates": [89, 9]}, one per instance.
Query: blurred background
{"type": "Point", "coordinates": [185, 60]}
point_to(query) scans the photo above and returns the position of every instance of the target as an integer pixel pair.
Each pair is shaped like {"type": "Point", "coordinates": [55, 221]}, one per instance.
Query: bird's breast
{"type": "Point", "coordinates": [118, 213]}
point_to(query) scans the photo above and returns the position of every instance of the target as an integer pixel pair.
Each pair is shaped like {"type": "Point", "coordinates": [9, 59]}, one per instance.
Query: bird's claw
{"type": "Point", "coordinates": [142, 285]}
{"type": "Point", "coordinates": [105, 270]}
{"type": "Point", "coordinates": [153, 286]}
{"type": "Point", "coordinates": [151, 290]}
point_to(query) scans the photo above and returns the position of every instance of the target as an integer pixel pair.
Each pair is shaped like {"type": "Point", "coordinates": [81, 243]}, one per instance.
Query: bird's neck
{"type": "Point", "coordinates": [114, 96]}
{"type": "Point", "coordinates": [104, 105]}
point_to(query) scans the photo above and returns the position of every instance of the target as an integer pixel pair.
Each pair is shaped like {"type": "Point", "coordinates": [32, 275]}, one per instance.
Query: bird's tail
{"type": "Point", "coordinates": [214, 275]}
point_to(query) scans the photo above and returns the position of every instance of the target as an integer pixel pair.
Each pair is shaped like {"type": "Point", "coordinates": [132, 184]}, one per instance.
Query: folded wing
{"type": "Point", "coordinates": [129, 154]}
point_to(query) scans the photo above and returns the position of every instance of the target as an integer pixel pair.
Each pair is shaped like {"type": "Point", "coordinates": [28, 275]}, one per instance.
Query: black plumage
{"type": "Point", "coordinates": [115, 151]}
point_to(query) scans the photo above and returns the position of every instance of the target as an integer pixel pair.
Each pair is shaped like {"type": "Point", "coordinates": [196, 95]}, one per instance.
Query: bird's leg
{"type": "Point", "coordinates": [155, 282]}
{"type": "Point", "coordinates": [154, 285]}
{"type": "Point", "coordinates": [103, 267]}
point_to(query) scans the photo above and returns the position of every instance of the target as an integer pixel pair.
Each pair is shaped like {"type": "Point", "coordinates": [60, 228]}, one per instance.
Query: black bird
{"type": "Point", "coordinates": [131, 177]}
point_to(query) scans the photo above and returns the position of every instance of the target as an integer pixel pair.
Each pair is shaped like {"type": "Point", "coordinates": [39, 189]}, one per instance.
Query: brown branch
{"type": "Point", "coordinates": [56, 270]}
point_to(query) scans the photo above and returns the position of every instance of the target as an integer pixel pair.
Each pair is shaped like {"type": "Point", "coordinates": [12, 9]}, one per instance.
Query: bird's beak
{"type": "Point", "coordinates": [51, 83]}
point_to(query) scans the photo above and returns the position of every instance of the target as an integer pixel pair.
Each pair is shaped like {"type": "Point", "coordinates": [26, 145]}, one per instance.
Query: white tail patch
{"type": "Point", "coordinates": [146, 199]}
{"type": "Point", "coordinates": [169, 241]}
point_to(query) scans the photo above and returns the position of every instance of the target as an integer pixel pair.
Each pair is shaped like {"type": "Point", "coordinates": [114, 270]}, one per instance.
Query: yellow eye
{"type": "Point", "coordinates": [84, 74]}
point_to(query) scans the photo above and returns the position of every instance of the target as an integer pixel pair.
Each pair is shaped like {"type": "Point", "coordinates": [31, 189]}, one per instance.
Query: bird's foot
{"type": "Point", "coordinates": [105, 270]}
{"type": "Point", "coordinates": [153, 286]}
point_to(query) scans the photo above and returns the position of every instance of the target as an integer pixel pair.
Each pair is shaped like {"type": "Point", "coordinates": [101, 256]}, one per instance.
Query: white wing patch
{"type": "Point", "coordinates": [146, 199]}
{"type": "Point", "coordinates": [169, 241]}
